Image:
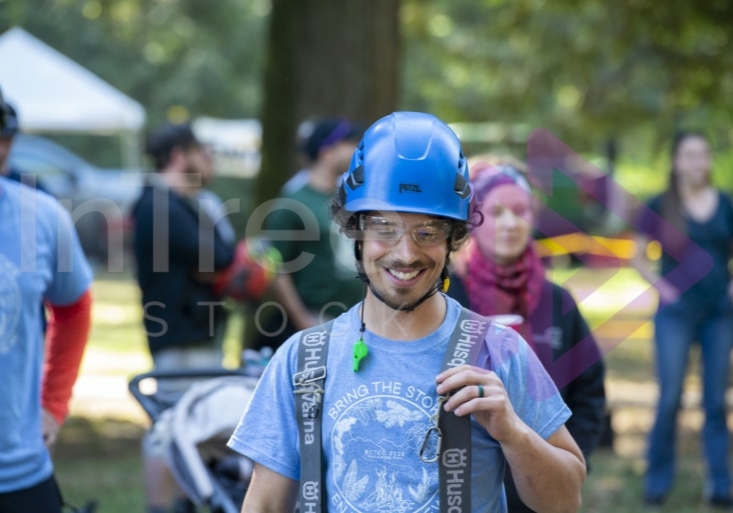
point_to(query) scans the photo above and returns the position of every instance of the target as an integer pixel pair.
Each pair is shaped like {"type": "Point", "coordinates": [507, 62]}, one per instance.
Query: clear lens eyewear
{"type": "Point", "coordinates": [382, 229]}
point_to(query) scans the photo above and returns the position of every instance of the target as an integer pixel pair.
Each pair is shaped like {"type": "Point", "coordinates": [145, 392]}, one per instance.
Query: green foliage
{"type": "Point", "coordinates": [177, 58]}
{"type": "Point", "coordinates": [586, 71]}
{"type": "Point", "coordinates": [99, 460]}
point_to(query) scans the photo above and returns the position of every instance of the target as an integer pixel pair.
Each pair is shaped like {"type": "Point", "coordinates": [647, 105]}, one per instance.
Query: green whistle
{"type": "Point", "coordinates": [360, 352]}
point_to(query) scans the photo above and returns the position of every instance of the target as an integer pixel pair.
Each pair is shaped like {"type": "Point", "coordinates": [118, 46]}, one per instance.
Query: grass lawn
{"type": "Point", "coordinates": [97, 456]}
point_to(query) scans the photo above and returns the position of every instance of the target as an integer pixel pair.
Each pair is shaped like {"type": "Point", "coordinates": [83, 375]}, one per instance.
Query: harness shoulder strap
{"type": "Point", "coordinates": [309, 387]}
{"type": "Point", "coordinates": [455, 451]}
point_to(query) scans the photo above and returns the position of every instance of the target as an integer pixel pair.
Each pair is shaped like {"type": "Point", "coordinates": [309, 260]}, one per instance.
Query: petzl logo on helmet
{"type": "Point", "coordinates": [410, 187]}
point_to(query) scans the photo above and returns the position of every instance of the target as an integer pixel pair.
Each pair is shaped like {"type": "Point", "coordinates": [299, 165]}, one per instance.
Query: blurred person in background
{"type": "Point", "coordinates": [41, 261]}
{"type": "Point", "coordinates": [501, 275]}
{"type": "Point", "coordinates": [178, 251]}
{"type": "Point", "coordinates": [693, 222]}
{"type": "Point", "coordinates": [317, 280]}
{"type": "Point", "coordinates": [8, 133]}
{"type": "Point", "coordinates": [212, 204]}
{"type": "Point", "coordinates": [302, 175]}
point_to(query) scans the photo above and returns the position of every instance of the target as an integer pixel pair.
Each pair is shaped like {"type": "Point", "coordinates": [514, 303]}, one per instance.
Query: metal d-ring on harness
{"type": "Point", "coordinates": [432, 442]}
{"type": "Point", "coordinates": [451, 447]}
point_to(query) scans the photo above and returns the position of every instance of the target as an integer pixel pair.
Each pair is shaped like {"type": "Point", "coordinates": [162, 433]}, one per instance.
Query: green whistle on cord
{"type": "Point", "coordinates": [360, 352]}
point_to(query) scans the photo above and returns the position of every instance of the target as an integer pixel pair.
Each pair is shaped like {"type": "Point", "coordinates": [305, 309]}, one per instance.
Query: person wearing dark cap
{"type": "Point", "coordinates": [300, 177]}
{"type": "Point", "coordinates": [177, 250]}
{"type": "Point", "coordinates": [41, 261]}
{"type": "Point", "coordinates": [317, 280]}
{"type": "Point", "coordinates": [7, 134]}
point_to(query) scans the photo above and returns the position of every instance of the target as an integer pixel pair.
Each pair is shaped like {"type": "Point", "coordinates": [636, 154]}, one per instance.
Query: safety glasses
{"type": "Point", "coordinates": [383, 229]}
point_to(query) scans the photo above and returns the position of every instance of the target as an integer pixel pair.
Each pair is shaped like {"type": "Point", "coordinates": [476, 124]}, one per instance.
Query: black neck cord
{"type": "Point", "coordinates": [360, 348]}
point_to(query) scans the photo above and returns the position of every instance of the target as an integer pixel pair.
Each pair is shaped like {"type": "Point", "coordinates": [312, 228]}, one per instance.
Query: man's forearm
{"type": "Point", "coordinates": [270, 492]}
{"type": "Point", "coordinates": [548, 476]}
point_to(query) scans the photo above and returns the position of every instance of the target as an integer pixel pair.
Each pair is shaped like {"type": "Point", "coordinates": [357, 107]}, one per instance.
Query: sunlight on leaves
{"type": "Point", "coordinates": [92, 10]}
{"type": "Point", "coordinates": [568, 97]}
{"type": "Point", "coordinates": [441, 25]}
{"type": "Point", "coordinates": [261, 8]}
{"type": "Point", "coordinates": [125, 12]}
{"type": "Point", "coordinates": [154, 53]}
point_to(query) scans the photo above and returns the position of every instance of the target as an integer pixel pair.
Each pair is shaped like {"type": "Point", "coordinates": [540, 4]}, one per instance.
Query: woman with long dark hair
{"type": "Point", "coordinates": [693, 222]}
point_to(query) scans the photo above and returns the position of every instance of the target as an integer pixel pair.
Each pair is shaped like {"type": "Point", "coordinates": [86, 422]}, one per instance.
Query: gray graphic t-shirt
{"type": "Point", "coordinates": [375, 420]}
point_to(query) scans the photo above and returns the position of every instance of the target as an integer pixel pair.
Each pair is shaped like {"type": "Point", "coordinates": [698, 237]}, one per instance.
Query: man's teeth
{"type": "Point", "coordinates": [403, 276]}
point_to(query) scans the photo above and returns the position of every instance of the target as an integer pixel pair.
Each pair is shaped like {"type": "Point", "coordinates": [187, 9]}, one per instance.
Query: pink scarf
{"type": "Point", "coordinates": [505, 289]}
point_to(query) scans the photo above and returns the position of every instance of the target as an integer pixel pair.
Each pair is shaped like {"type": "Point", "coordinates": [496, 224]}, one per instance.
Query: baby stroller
{"type": "Point", "coordinates": [197, 426]}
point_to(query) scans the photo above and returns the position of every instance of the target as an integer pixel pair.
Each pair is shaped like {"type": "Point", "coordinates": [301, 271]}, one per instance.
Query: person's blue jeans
{"type": "Point", "coordinates": [677, 327]}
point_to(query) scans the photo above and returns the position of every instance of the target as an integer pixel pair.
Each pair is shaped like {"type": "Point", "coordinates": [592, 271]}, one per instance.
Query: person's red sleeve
{"type": "Point", "coordinates": [66, 337]}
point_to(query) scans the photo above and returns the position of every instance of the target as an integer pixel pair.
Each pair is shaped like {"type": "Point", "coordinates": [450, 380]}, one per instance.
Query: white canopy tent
{"type": "Point", "coordinates": [52, 93]}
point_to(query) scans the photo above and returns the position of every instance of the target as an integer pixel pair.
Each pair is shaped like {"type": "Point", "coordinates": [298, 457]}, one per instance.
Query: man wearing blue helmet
{"type": "Point", "coordinates": [407, 402]}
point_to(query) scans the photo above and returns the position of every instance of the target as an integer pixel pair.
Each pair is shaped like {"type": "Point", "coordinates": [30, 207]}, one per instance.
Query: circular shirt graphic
{"type": "Point", "coordinates": [376, 464]}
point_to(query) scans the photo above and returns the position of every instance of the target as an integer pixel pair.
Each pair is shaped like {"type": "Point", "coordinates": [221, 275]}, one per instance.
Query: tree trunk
{"type": "Point", "coordinates": [324, 58]}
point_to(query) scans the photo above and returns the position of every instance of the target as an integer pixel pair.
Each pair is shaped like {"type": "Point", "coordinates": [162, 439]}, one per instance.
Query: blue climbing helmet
{"type": "Point", "coordinates": [409, 162]}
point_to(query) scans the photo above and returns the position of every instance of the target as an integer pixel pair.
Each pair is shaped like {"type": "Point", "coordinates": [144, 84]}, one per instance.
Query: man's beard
{"type": "Point", "coordinates": [394, 297]}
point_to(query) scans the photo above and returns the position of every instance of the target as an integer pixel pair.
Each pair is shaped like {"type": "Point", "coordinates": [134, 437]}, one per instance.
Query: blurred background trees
{"type": "Point", "coordinates": [178, 58]}
{"type": "Point", "coordinates": [596, 74]}
{"type": "Point", "coordinates": [325, 58]}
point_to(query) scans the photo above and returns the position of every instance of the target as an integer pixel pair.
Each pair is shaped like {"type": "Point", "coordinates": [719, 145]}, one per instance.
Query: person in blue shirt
{"type": "Point", "coordinates": [406, 201]}
{"type": "Point", "coordinates": [41, 262]}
